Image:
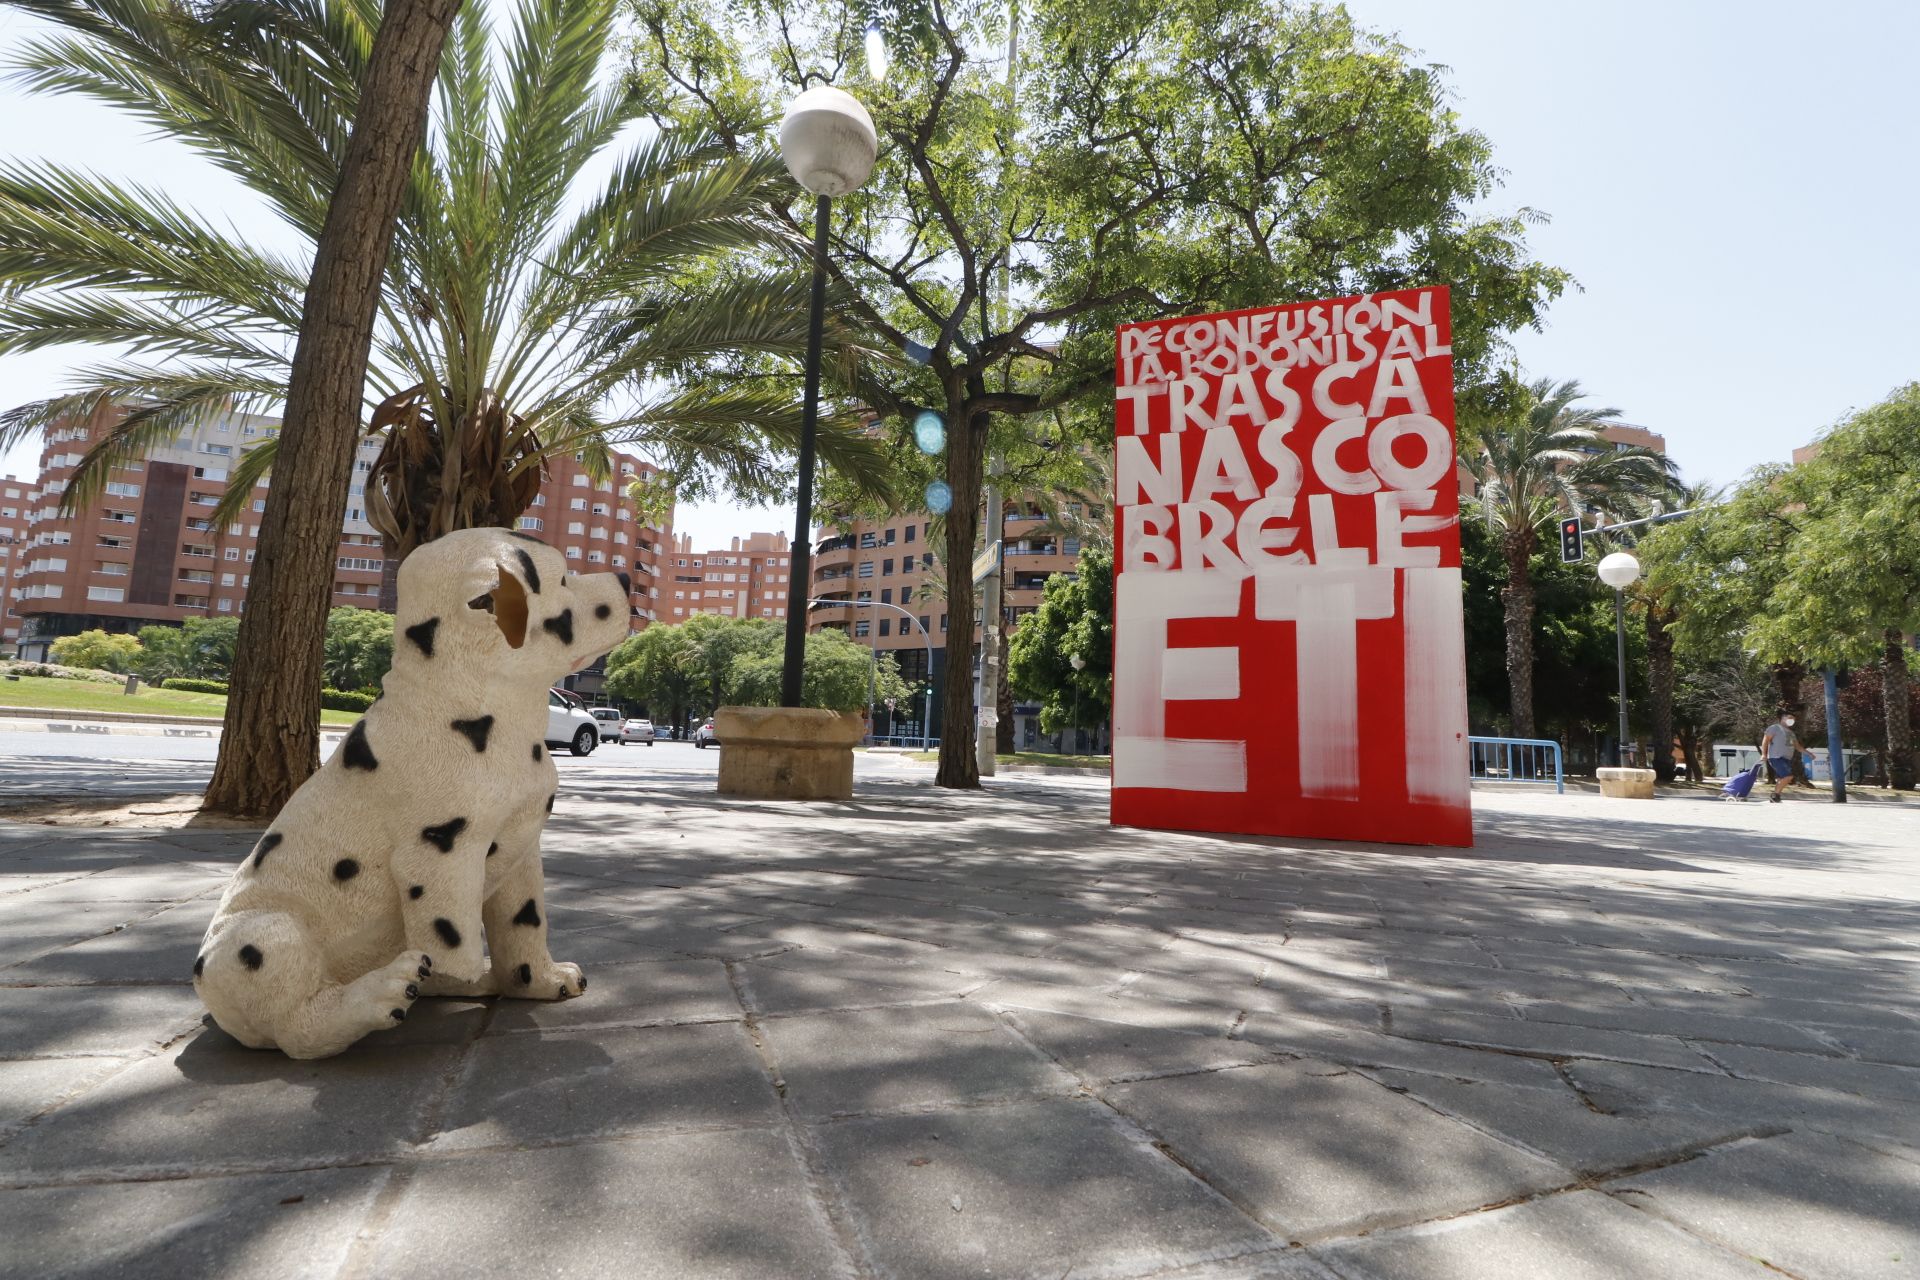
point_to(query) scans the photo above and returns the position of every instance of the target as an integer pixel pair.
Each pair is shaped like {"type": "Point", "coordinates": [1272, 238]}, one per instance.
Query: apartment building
{"type": "Point", "coordinates": [753, 578]}
{"type": "Point", "coordinates": [883, 584]}
{"type": "Point", "coordinates": [147, 552]}
{"type": "Point", "coordinates": [13, 543]}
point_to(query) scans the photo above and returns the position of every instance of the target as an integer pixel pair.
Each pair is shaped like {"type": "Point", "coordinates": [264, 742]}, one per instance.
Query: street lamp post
{"type": "Point", "coordinates": [828, 142]}
{"type": "Point", "coordinates": [926, 717]}
{"type": "Point", "coordinates": [1619, 571]}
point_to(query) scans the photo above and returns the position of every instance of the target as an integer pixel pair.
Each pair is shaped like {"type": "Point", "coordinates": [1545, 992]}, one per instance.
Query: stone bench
{"type": "Point", "coordinates": [1626, 784]}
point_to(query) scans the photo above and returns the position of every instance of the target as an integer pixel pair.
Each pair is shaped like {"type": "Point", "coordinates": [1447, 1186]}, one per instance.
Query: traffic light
{"type": "Point", "coordinates": [1570, 548]}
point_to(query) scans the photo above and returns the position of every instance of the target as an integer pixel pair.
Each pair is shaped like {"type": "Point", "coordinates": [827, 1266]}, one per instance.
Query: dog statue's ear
{"type": "Point", "coordinates": [507, 602]}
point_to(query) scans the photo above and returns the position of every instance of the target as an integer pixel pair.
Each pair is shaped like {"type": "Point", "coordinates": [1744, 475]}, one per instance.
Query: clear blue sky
{"type": "Point", "coordinates": [1734, 185]}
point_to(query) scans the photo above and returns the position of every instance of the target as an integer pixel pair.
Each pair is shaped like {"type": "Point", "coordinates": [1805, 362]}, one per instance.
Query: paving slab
{"type": "Point", "coordinates": [1581, 1235]}
{"type": "Point", "coordinates": [31, 1086]}
{"type": "Point", "coordinates": [209, 1105]}
{"type": "Point", "coordinates": [1108, 1051]}
{"type": "Point", "coordinates": [1041, 1189]}
{"type": "Point", "coordinates": [1547, 1038]}
{"type": "Point", "coordinates": [1314, 1150]}
{"type": "Point", "coordinates": [1649, 1091]}
{"type": "Point", "coordinates": [44, 1022]}
{"type": "Point", "coordinates": [708, 1206]}
{"type": "Point", "coordinates": [1365, 1047]}
{"type": "Point", "coordinates": [1821, 1072]}
{"type": "Point", "coordinates": [916, 1056]}
{"type": "Point", "coordinates": [158, 950]}
{"type": "Point", "coordinates": [552, 1086]}
{"type": "Point", "coordinates": [1808, 1204]}
{"type": "Point", "coordinates": [629, 995]}
{"type": "Point", "coordinates": [277, 1226]}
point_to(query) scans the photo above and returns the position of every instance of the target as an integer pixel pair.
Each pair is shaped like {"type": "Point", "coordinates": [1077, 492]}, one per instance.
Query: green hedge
{"type": "Point", "coordinates": [186, 685]}
{"type": "Point", "coordinates": [331, 699]}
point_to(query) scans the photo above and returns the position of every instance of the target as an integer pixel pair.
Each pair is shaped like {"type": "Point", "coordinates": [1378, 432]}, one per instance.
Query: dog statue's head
{"type": "Point", "coordinates": [504, 604]}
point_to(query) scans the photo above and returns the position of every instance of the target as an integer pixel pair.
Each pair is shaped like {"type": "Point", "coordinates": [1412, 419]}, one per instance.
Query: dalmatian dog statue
{"type": "Point", "coordinates": [421, 834]}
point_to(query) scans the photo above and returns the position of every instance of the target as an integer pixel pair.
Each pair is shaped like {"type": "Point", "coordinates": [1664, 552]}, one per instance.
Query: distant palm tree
{"type": "Point", "coordinates": [1543, 459]}
{"type": "Point", "coordinates": [1663, 611]}
{"type": "Point", "coordinates": [519, 321]}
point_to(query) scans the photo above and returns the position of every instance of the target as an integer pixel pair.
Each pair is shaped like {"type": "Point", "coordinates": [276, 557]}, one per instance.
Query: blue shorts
{"type": "Point", "coordinates": [1782, 767]}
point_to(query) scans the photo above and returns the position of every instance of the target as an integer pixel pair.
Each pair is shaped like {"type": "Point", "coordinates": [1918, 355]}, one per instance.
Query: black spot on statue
{"type": "Point", "coordinates": [448, 934]}
{"type": "Point", "coordinates": [398, 1015]}
{"type": "Point", "coordinates": [527, 571]}
{"type": "Point", "coordinates": [355, 752]}
{"type": "Point", "coordinates": [603, 611]}
{"type": "Point", "coordinates": [526, 975]}
{"type": "Point", "coordinates": [443, 836]}
{"type": "Point", "coordinates": [493, 848]}
{"type": "Point", "coordinates": [268, 843]}
{"type": "Point", "coordinates": [476, 731]}
{"type": "Point", "coordinates": [199, 965]}
{"type": "Point", "coordinates": [561, 625]}
{"type": "Point", "coordinates": [250, 956]}
{"type": "Point", "coordinates": [421, 633]}
{"type": "Point", "coordinates": [551, 799]}
{"type": "Point", "coordinates": [416, 891]}
{"type": "Point", "coordinates": [529, 914]}
{"type": "Point", "coordinates": [345, 869]}
{"type": "Point", "coordinates": [537, 753]}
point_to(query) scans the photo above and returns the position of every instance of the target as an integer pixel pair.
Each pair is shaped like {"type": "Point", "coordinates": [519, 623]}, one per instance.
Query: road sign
{"type": "Point", "coordinates": [1571, 550]}
{"type": "Point", "coordinates": [987, 563]}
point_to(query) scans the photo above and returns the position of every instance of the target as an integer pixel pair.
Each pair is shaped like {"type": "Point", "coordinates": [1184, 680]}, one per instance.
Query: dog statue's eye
{"type": "Point", "coordinates": [482, 602]}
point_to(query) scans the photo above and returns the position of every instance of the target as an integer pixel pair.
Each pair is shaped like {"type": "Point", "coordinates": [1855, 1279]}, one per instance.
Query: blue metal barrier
{"type": "Point", "coordinates": [1515, 760]}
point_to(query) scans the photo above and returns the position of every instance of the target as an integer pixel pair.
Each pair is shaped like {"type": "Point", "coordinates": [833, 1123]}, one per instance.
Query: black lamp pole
{"type": "Point", "coordinates": [802, 558]}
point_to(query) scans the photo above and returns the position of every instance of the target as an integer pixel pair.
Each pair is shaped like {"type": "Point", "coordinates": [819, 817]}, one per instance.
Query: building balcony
{"type": "Point", "coordinates": [833, 557]}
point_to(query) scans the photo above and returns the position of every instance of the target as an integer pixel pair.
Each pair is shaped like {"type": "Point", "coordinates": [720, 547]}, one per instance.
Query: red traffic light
{"type": "Point", "coordinates": [1571, 550]}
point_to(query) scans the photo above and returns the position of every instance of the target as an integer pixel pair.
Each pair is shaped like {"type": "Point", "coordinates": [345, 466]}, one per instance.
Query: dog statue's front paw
{"type": "Point", "coordinates": [558, 980]}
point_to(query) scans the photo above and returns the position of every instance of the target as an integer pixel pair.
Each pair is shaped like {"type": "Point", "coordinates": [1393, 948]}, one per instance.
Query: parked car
{"type": "Point", "coordinates": [663, 732]}
{"type": "Point", "coordinates": [609, 718]}
{"type": "Point", "coordinates": [704, 736]}
{"type": "Point", "coordinates": [636, 729]}
{"type": "Point", "coordinates": [570, 724]}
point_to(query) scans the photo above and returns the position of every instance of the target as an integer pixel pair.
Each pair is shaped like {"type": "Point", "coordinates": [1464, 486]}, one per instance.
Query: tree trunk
{"type": "Point", "coordinates": [1517, 601]}
{"type": "Point", "coordinates": [966, 472]}
{"type": "Point", "coordinates": [271, 739]}
{"type": "Point", "coordinates": [1660, 690]}
{"type": "Point", "coordinates": [1896, 701]}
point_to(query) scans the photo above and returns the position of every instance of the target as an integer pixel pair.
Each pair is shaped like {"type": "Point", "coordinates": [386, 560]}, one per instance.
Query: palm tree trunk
{"type": "Point", "coordinates": [1660, 690]}
{"type": "Point", "coordinates": [966, 469]}
{"type": "Point", "coordinates": [271, 739]}
{"type": "Point", "coordinates": [1897, 705]}
{"type": "Point", "coordinates": [1517, 601]}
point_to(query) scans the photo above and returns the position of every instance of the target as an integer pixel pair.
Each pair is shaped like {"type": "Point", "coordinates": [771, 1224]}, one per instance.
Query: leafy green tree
{"type": "Point", "coordinates": [199, 648]}
{"type": "Point", "coordinates": [1849, 592]}
{"type": "Point", "coordinates": [507, 325]}
{"type": "Point", "coordinates": [838, 669]}
{"type": "Point", "coordinates": [1128, 161]}
{"type": "Point", "coordinates": [98, 650]}
{"type": "Point", "coordinates": [359, 647]}
{"type": "Point", "coordinates": [1544, 459]}
{"type": "Point", "coordinates": [657, 668]}
{"type": "Point", "coordinates": [1074, 620]}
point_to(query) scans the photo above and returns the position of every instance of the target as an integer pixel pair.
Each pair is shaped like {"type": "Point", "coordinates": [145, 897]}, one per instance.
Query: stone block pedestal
{"type": "Point", "coordinates": [1626, 784]}
{"type": "Point", "coordinates": [787, 753]}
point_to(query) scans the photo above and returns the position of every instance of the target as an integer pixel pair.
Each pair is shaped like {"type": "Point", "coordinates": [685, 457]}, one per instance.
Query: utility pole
{"type": "Point", "coordinates": [1836, 755]}
{"type": "Point", "coordinates": [987, 717]}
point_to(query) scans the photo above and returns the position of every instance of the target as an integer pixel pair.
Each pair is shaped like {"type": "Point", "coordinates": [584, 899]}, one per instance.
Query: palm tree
{"type": "Point", "coordinates": [1542, 459]}
{"type": "Point", "coordinates": [513, 324]}
{"type": "Point", "coordinates": [1663, 605]}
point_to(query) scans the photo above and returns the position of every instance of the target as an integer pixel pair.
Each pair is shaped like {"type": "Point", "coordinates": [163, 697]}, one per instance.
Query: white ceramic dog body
{"type": "Point", "coordinates": [420, 836]}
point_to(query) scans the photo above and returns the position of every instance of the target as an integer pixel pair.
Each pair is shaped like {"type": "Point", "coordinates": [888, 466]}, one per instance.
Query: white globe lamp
{"type": "Point", "coordinates": [1619, 570]}
{"type": "Point", "coordinates": [828, 141]}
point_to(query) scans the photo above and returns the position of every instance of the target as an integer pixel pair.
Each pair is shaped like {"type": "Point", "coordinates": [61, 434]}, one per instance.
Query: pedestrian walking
{"type": "Point", "coordinates": [1778, 746]}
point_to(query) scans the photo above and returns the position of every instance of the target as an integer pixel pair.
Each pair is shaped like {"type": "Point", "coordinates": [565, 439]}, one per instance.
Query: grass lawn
{"type": "Point", "coordinates": [1032, 757]}
{"type": "Point", "coordinates": [88, 695]}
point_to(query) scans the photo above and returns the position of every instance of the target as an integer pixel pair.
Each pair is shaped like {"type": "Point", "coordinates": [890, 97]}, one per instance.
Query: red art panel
{"type": "Point", "coordinates": [1288, 649]}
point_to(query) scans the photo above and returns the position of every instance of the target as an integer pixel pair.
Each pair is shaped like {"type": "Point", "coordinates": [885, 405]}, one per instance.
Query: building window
{"type": "Point", "coordinates": [573, 553]}
{"type": "Point", "coordinates": [886, 595]}
{"type": "Point", "coordinates": [578, 504]}
{"type": "Point", "coordinates": [886, 568]}
{"type": "Point", "coordinates": [115, 594]}
{"type": "Point", "coordinates": [576, 527]}
{"type": "Point", "coordinates": [539, 499]}
{"type": "Point", "coordinates": [226, 605]}
{"type": "Point", "coordinates": [909, 533]}
{"type": "Point", "coordinates": [596, 557]}
{"type": "Point", "coordinates": [860, 628]}
{"type": "Point", "coordinates": [866, 569]}
{"type": "Point", "coordinates": [232, 553]}
{"type": "Point", "coordinates": [885, 625]}
{"type": "Point", "coordinates": [926, 560]}
{"type": "Point", "coordinates": [224, 450]}
{"type": "Point", "coordinates": [532, 522]}
{"type": "Point", "coordinates": [868, 540]}
{"type": "Point", "coordinates": [351, 562]}
{"type": "Point", "coordinates": [943, 624]}
{"type": "Point", "coordinates": [579, 482]}
{"type": "Point", "coordinates": [906, 595]}
{"type": "Point", "coordinates": [121, 489]}
{"type": "Point", "coordinates": [113, 568]}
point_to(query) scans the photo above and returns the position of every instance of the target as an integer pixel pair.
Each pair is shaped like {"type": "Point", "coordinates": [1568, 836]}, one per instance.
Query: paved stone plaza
{"type": "Point", "coordinates": [932, 1035]}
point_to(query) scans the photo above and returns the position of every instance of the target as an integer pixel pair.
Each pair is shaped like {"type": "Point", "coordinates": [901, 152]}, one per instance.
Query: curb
{"type": "Point", "coordinates": [51, 715]}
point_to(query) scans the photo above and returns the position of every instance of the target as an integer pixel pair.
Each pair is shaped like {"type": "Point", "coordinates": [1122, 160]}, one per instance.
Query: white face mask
{"type": "Point", "coordinates": [1787, 721]}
